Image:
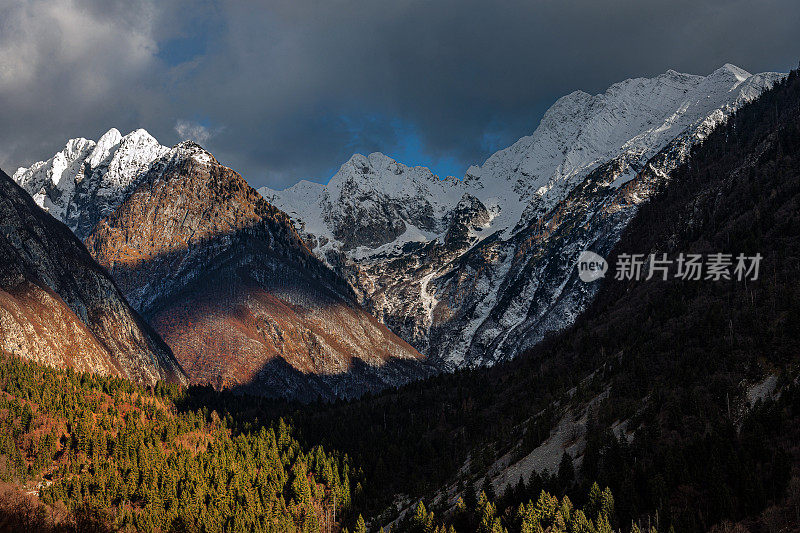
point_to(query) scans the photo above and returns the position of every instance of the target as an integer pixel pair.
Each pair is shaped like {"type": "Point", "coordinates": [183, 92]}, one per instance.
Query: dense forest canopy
{"type": "Point", "coordinates": [131, 458]}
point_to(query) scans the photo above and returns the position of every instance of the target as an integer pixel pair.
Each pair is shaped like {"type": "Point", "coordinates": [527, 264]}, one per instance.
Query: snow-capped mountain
{"type": "Point", "coordinates": [226, 280]}
{"type": "Point", "coordinates": [370, 202]}
{"type": "Point", "coordinates": [521, 218]}
{"type": "Point", "coordinates": [87, 180]}
{"type": "Point", "coordinates": [468, 271]}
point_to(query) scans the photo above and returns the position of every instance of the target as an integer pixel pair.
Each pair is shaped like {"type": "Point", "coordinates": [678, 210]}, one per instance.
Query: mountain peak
{"type": "Point", "coordinates": [191, 150]}
{"type": "Point", "coordinates": [374, 165]}
{"type": "Point", "coordinates": [105, 145]}
{"type": "Point", "coordinates": [357, 161]}
{"type": "Point", "coordinates": [139, 136]}
{"type": "Point", "coordinates": [379, 158]}
{"type": "Point", "coordinates": [729, 69]}
{"type": "Point", "coordinates": [111, 137]}
{"type": "Point", "coordinates": [87, 180]}
{"type": "Point", "coordinates": [382, 165]}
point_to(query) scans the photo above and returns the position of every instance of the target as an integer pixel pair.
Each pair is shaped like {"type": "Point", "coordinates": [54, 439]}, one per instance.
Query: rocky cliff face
{"type": "Point", "coordinates": [474, 271]}
{"type": "Point", "coordinates": [226, 280]}
{"type": "Point", "coordinates": [58, 307]}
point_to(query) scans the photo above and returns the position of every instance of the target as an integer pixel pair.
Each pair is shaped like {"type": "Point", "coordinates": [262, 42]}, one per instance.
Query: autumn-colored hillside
{"type": "Point", "coordinates": [104, 450]}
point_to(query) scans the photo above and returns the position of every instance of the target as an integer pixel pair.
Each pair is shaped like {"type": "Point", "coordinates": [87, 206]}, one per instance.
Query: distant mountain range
{"type": "Point", "coordinates": [475, 271]}
{"type": "Point", "coordinates": [468, 272]}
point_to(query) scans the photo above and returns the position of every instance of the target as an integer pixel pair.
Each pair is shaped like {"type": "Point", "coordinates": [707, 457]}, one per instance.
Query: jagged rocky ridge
{"type": "Point", "coordinates": [59, 307]}
{"type": "Point", "coordinates": [224, 278]}
{"type": "Point", "coordinates": [474, 271]}
{"type": "Point", "coordinates": [87, 180]}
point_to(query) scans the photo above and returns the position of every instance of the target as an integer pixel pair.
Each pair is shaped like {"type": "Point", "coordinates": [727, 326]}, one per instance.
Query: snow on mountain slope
{"type": "Point", "coordinates": [468, 271]}
{"type": "Point", "coordinates": [547, 197]}
{"type": "Point", "coordinates": [635, 118]}
{"type": "Point", "coordinates": [372, 201]}
{"type": "Point", "coordinates": [87, 180]}
{"type": "Point", "coordinates": [220, 273]}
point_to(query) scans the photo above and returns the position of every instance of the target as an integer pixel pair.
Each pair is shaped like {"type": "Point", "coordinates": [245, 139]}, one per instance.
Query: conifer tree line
{"type": "Point", "coordinates": [120, 457]}
{"type": "Point", "coordinates": [547, 513]}
{"type": "Point", "coordinates": [132, 458]}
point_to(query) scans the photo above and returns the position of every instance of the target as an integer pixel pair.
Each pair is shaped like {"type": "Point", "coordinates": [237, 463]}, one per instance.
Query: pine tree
{"type": "Point", "coordinates": [595, 497]}
{"type": "Point", "coordinates": [470, 496]}
{"type": "Point", "coordinates": [420, 518]}
{"type": "Point", "coordinates": [360, 525]}
{"type": "Point", "coordinates": [607, 503]}
{"type": "Point", "coordinates": [488, 489]}
{"type": "Point", "coordinates": [566, 472]}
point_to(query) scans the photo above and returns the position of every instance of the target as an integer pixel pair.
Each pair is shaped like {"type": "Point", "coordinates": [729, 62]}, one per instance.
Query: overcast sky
{"type": "Point", "coordinates": [290, 89]}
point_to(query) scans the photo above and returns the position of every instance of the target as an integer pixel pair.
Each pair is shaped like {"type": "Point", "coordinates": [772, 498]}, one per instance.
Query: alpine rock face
{"type": "Point", "coordinates": [59, 307]}
{"type": "Point", "coordinates": [220, 273]}
{"type": "Point", "coordinates": [473, 271]}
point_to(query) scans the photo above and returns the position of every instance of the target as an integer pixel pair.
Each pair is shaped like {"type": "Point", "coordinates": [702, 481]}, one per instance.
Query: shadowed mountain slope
{"type": "Point", "coordinates": [58, 307]}
{"type": "Point", "coordinates": [682, 396]}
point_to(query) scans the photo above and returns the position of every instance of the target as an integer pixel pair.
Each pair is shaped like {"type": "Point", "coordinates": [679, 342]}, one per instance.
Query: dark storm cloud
{"type": "Point", "coordinates": [286, 90]}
